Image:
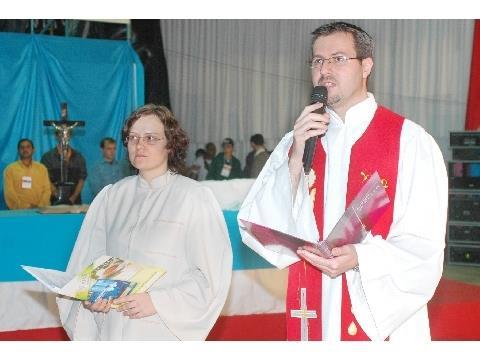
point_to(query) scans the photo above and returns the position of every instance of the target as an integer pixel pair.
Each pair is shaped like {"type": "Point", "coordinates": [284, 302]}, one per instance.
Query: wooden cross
{"type": "Point", "coordinates": [304, 314]}
{"type": "Point", "coordinates": [63, 128]}
{"type": "Point", "coordinates": [64, 119]}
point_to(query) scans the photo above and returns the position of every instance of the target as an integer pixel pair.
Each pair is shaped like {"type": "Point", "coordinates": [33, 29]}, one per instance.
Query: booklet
{"type": "Point", "coordinates": [362, 214]}
{"type": "Point", "coordinates": [107, 278]}
{"type": "Point", "coordinates": [64, 209]}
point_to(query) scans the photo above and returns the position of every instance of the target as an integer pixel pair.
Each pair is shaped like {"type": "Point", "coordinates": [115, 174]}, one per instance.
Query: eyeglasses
{"type": "Point", "coordinates": [337, 60]}
{"type": "Point", "coordinates": [147, 139]}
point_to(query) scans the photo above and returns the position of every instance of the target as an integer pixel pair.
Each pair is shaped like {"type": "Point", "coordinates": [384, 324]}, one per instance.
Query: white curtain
{"type": "Point", "coordinates": [235, 78]}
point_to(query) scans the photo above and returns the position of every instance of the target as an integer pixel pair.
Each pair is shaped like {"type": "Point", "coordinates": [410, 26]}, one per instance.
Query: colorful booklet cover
{"type": "Point", "coordinates": [360, 216]}
{"type": "Point", "coordinates": [107, 277]}
{"type": "Point", "coordinates": [108, 289]}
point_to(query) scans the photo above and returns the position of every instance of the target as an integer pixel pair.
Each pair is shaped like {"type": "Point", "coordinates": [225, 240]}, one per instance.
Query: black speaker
{"type": "Point", "coordinates": [465, 233]}
{"type": "Point", "coordinates": [465, 138]}
{"type": "Point", "coordinates": [464, 254]}
{"type": "Point", "coordinates": [464, 175]}
{"type": "Point", "coordinates": [464, 207]}
{"type": "Point", "coordinates": [466, 154]}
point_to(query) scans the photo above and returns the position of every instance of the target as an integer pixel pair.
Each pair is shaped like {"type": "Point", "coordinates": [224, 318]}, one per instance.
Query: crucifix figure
{"type": "Point", "coordinates": [303, 314]}
{"type": "Point", "coordinates": [63, 130]}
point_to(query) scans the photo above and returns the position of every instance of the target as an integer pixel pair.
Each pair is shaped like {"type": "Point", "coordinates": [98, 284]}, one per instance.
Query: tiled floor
{"type": "Point", "coordinates": [468, 274]}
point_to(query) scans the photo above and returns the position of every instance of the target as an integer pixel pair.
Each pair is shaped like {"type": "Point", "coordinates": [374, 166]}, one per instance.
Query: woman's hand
{"type": "Point", "coordinates": [136, 306]}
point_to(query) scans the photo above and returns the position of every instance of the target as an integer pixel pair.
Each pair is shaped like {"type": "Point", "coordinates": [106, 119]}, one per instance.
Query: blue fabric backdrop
{"type": "Point", "coordinates": [101, 81]}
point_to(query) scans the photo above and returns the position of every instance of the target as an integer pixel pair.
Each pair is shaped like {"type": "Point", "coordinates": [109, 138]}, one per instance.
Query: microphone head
{"type": "Point", "coordinates": [319, 95]}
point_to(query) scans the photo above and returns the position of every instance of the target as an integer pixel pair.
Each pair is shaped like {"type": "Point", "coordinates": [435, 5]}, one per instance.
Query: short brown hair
{"type": "Point", "coordinates": [363, 42]}
{"type": "Point", "coordinates": [107, 140]}
{"type": "Point", "coordinates": [22, 140]}
{"type": "Point", "coordinates": [177, 139]}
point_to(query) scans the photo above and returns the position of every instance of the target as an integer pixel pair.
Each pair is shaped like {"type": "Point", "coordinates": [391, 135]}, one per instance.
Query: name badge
{"type": "Point", "coordinates": [226, 170]}
{"type": "Point", "coordinates": [26, 182]}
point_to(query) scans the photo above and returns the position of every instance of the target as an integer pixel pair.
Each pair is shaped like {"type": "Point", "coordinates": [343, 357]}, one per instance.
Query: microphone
{"type": "Point", "coordinates": [319, 95]}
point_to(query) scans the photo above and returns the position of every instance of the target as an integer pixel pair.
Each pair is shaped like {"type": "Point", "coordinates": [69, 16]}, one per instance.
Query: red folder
{"type": "Point", "coordinates": [362, 214]}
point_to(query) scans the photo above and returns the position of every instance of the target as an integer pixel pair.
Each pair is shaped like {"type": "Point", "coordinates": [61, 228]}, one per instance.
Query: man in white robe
{"type": "Point", "coordinates": [174, 223]}
{"type": "Point", "coordinates": [391, 279]}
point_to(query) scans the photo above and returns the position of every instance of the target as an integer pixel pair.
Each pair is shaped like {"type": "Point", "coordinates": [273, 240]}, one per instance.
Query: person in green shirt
{"type": "Point", "coordinates": [225, 166]}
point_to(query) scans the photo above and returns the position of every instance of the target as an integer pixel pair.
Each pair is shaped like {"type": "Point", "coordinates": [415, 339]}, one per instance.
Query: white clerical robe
{"type": "Point", "coordinates": [174, 223]}
{"type": "Point", "coordinates": [398, 275]}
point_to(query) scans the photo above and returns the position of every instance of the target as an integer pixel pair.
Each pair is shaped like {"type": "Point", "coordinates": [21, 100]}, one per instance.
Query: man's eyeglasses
{"type": "Point", "coordinates": [317, 62]}
{"type": "Point", "coordinates": [147, 139]}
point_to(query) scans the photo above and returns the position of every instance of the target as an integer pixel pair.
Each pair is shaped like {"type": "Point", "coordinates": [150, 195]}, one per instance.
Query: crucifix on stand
{"type": "Point", "coordinates": [63, 129]}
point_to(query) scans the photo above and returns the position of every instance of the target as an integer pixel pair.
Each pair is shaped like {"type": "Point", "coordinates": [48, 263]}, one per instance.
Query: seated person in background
{"type": "Point", "coordinates": [211, 152]}
{"type": "Point", "coordinates": [257, 158]}
{"type": "Point", "coordinates": [162, 219]}
{"type": "Point", "coordinates": [108, 170]}
{"type": "Point", "coordinates": [198, 170]}
{"type": "Point", "coordinates": [225, 166]}
{"type": "Point", "coordinates": [26, 183]}
{"type": "Point", "coordinates": [75, 171]}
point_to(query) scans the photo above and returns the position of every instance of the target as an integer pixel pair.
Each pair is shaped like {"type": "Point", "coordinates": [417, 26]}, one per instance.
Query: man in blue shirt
{"type": "Point", "coordinates": [108, 170]}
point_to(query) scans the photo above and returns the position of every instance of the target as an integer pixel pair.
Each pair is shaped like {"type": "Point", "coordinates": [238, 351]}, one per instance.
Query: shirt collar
{"type": "Point", "coordinates": [20, 162]}
{"type": "Point", "coordinates": [157, 183]}
{"type": "Point", "coordinates": [55, 150]}
{"type": "Point", "coordinates": [114, 161]}
{"type": "Point", "coordinates": [259, 151]}
{"type": "Point", "coordinates": [358, 116]}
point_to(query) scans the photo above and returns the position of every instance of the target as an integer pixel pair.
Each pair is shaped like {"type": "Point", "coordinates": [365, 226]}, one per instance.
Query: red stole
{"type": "Point", "coordinates": [376, 150]}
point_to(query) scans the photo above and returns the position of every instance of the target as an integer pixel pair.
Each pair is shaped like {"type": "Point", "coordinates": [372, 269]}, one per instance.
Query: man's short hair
{"type": "Point", "coordinates": [200, 152]}
{"type": "Point", "coordinates": [364, 44]}
{"type": "Point", "coordinates": [227, 141]}
{"type": "Point", "coordinates": [257, 139]}
{"type": "Point", "coordinates": [105, 140]}
{"type": "Point", "coordinates": [24, 139]}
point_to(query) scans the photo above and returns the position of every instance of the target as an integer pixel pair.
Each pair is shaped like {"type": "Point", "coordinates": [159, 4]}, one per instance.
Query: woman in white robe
{"type": "Point", "coordinates": [157, 218]}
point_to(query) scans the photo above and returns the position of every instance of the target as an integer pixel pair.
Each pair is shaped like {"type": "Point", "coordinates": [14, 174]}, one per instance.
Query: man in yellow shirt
{"type": "Point", "coordinates": [26, 183]}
